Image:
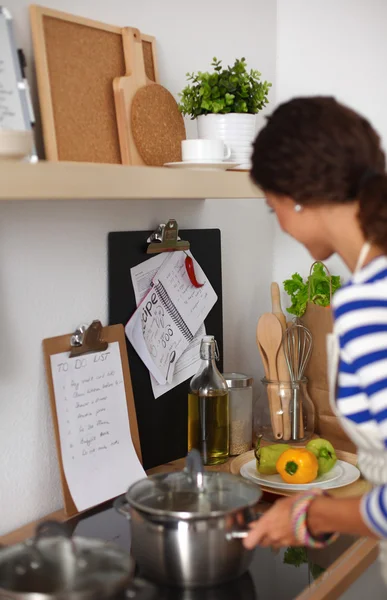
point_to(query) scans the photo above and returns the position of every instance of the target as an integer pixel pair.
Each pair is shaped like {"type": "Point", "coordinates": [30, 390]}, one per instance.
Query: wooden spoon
{"type": "Point", "coordinates": [269, 338]}
{"type": "Point", "coordinates": [276, 304]}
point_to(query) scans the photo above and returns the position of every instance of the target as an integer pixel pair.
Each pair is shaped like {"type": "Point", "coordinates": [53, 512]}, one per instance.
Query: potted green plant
{"type": "Point", "coordinates": [225, 103]}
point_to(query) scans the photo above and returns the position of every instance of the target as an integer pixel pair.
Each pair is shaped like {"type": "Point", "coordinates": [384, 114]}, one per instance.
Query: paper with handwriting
{"type": "Point", "coordinates": [169, 316]}
{"type": "Point", "coordinates": [99, 459]}
{"type": "Point", "coordinates": [11, 108]}
{"type": "Point", "coordinates": [188, 363]}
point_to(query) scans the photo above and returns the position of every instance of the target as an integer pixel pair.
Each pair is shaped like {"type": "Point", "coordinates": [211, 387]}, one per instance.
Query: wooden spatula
{"type": "Point", "coordinates": [269, 338]}
{"type": "Point", "coordinates": [282, 369]}
{"type": "Point", "coordinates": [125, 89]}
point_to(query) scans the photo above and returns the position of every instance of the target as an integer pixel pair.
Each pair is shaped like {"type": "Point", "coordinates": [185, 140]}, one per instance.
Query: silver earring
{"type": "Point", "coordinates": [298, 208]}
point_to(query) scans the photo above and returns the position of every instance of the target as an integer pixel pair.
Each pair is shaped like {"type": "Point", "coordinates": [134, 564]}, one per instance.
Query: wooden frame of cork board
{"type": "Point", "coordinates": [76, 61]}
{"type": "Point", "coordinates": [56, 345]}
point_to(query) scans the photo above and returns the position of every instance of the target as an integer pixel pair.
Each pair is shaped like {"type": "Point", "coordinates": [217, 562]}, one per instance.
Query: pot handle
{"type": "Point", "coordinates": [50, 529]}
{"type": "Point", "coordinates": [241, 534]}
{"type": "Point", "coordinates": [121, 505]}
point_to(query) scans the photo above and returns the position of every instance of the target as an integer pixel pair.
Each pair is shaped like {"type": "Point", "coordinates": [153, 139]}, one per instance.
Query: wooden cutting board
{"type": "Point", "coordinates": [358, 488]}
{"type": "Point", "coordinates": [150, 125]}
{"type": "Point", "coordinates": [157, 125]}
{"type": "Point", "coordinates": [76, 62]}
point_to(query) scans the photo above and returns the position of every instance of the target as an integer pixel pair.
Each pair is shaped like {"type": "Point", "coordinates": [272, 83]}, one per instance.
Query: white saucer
{"type": "Point", "coordinates": [208, 166]}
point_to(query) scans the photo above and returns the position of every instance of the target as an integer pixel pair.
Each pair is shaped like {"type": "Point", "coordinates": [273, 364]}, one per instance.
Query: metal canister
{"type": "Point", "coordinates": [240, 389]}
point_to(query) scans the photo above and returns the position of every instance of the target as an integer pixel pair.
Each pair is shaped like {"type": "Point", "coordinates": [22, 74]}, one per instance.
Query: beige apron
{"type": "Point", "coordinates": [372, 456]}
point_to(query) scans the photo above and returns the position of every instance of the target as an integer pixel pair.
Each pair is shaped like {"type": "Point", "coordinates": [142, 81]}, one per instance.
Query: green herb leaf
{"type": "Point", "coordinates": [295, 556]}
{"type": "Point", "coordinates": [319, 282]}
{"type": "Point", "coordinates": [225, 90]}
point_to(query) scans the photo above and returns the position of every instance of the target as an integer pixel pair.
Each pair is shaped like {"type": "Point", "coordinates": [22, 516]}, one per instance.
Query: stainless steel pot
{"type": "Point", "coordinates": [186, 527]}
{"type": "Point", "coordinates": [53, 565]}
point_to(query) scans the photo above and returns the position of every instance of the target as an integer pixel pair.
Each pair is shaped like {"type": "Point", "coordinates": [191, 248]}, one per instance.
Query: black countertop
{"type": "Point", "coordinates": [272, 575]}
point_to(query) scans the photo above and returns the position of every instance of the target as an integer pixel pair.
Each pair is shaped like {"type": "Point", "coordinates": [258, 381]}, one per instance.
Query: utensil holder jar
{"type": "Point", "coordinates": [287, 414]}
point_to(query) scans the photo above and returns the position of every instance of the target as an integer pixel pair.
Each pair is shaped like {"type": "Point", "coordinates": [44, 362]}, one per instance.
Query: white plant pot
{"type": "Point", "coordinates": [236, 130]}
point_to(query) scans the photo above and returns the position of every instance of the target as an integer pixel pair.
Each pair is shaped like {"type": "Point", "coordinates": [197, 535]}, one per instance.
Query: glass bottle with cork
{"type": "Point", "coordinates": [208, 408]}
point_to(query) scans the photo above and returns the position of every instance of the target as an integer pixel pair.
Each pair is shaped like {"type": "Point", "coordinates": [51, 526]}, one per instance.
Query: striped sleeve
{"type": "Point", "coordinates": [373, 509]}
{"type": "Point", "coordinates": [361, 324]}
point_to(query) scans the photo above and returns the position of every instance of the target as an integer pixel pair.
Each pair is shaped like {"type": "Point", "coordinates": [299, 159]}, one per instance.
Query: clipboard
{"type": "Point", "coordinates": [94, 339]}
{"type": "Point", "coordinates": [163, 422]}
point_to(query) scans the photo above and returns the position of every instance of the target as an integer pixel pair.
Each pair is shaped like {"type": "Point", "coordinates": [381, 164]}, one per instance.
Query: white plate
{"type": "Point", "coordinates": [276, 481]}
{"type": "Point", "coordinates": [208, 166]}
{"type": "Point", "coordinates": [343, 473]}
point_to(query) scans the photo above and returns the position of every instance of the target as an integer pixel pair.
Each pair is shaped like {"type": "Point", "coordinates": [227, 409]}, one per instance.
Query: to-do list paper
{"type": "Point", "coordinates": [99, 459]}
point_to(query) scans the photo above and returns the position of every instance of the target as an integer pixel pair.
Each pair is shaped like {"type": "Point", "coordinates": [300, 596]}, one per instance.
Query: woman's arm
{"type": "Point", "coordinates": [341, 515]}
{"type": "Point", "coordinates": [325, 515]}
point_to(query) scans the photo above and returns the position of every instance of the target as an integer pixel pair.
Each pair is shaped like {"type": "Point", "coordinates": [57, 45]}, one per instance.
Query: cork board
{"type": "Point", "coordinates": [76, 62]}
{"type": "Point", "coordinates": [158, 125]}
{"type": "Point", "coordinates": [61, 344]}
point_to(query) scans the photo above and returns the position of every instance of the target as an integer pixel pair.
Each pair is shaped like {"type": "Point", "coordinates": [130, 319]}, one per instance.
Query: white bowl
{"type": "Point", "coordinates": [241, 147]}
{"type": "Point", "coordinates": [15, 145]}
{"type": "Point", "coordinates": [241, 152]}
{"type": "Point", "coordinates": [233, 127]}
{"type": "Point", "coordinates": [235, 137]}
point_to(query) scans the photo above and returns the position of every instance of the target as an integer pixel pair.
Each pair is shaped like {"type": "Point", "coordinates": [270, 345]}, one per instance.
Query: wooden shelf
{"type": "Point", "coordinates": [76, 181]}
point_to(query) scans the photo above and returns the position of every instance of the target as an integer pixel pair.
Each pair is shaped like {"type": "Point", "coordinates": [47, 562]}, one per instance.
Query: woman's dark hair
{"type": "Point", "coordinates": [318, 151]}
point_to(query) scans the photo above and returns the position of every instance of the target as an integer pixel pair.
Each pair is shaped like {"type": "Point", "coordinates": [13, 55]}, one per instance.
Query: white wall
{"type": "Point", "coordinates": [53, 256]}
{"type": "Point", "coordinates": [330, 48]}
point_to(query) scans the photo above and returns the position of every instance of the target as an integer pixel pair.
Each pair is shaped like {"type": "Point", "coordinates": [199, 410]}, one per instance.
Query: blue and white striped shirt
{"type": "Point", "coordinates": [360, 312]}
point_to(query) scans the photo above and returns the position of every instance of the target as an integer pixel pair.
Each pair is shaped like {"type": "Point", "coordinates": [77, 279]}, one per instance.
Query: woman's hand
{"type": "Point", "coordinates": [274, 527]}
{"type": "Point", "coordinates": [325, 515]}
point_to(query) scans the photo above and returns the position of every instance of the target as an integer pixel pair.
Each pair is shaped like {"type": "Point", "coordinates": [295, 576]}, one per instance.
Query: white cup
{"type": "Point", "coordinates": [204, 151]}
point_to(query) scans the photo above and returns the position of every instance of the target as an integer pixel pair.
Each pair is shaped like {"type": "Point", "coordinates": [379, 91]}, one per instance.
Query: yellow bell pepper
{"type": "Point", "coordinates": [297, 465]}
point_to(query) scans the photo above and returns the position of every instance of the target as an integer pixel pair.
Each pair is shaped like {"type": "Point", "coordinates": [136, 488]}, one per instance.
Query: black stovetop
{"type": "Point", "coordinates": [272, 575]}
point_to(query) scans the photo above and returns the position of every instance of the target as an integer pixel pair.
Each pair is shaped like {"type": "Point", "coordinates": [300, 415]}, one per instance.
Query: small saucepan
{"type": "Point", "coordinates": [55, 566]}
{"type": "Point", "coordinates": [187, 527]}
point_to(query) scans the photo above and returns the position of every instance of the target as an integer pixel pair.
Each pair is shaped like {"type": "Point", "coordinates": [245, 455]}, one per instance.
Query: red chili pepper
{"type": "Point", "coordinates": [189, 265]}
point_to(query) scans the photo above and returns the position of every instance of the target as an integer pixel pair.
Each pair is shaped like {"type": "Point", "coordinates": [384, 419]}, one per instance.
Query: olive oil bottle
{"type": "Point", "coordinates": [208, 408]}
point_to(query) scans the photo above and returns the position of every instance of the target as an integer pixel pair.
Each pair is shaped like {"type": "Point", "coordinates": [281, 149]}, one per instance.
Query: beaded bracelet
{"type": "Point", "coordinates": [299, 524]}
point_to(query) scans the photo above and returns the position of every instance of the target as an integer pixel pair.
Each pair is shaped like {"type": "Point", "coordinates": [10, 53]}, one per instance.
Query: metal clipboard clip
{"type": "Point", "coordinates": [166, 239]}
{"type": "Point", "coordinates": [87, 339]}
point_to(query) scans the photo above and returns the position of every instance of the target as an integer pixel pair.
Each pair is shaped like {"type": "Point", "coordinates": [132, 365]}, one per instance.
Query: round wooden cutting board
{"type": "Point", "coordinates": [157, 125]}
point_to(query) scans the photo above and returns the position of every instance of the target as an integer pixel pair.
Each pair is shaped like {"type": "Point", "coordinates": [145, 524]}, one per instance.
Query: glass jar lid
{"type": "Point", "coordinates": [238, 380]}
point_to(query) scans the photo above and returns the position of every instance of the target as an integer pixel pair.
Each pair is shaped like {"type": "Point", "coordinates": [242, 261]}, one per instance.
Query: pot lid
{"type": "Point", "coordinates": [192, 493]}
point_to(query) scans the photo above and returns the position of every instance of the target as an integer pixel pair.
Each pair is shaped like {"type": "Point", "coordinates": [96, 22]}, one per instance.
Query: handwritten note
{"type": "Point", "coordinates": [98, 455]}
{"type": "Point", "coordinates": [11, 108]}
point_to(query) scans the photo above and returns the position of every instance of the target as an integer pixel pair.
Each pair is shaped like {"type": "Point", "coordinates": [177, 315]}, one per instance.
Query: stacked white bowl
{"type": "Point", "coordinates": [236, 130]}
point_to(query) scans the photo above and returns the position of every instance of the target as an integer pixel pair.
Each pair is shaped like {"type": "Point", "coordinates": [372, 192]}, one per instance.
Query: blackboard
{"type": "Point", "coordinates": [162, 422]}
{"type": "Point", "coordinates": [15, 104]}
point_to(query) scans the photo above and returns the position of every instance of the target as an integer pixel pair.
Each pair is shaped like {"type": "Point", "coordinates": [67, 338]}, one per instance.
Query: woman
{"type": "Point", "coordinates": [322, 169]}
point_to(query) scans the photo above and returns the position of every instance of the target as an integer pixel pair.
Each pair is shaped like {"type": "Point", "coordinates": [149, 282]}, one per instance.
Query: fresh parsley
{"type": "Point", "coordinates": [319, 281]}
{"type": "Point", "coordinates": [297, 556]}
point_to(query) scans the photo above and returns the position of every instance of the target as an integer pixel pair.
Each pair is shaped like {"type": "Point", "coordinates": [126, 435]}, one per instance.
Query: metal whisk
{"type": "Point", "coordinates": [297, 343]}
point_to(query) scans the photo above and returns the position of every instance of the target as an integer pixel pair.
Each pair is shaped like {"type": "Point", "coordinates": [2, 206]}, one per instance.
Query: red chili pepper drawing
{"type": "Point", "coordinates": [189, 265]}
